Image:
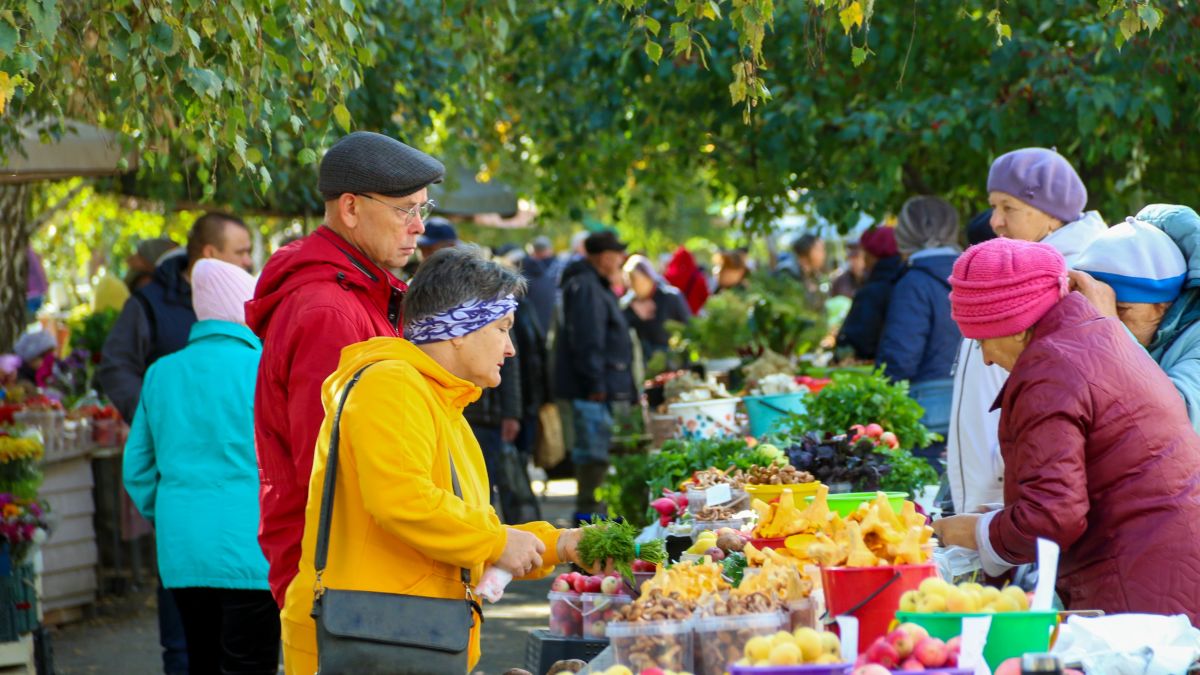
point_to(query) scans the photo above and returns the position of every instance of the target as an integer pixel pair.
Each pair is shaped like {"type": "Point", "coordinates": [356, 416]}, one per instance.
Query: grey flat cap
{"type": "Point", "coordinates": [368, 162]}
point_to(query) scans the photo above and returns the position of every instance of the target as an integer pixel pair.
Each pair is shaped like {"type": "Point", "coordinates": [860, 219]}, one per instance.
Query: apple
{"type": "Point", "coordinates": [869, 669]}
{"type": "Point", "coordinates": [931, 652]}
{"type": "Point", "coordinates": [1009, 667]}
{"type": "Point", "coordinates": [597, 629]}
{"type": "Point", "coordinates": [954, 644]}
{"type": "Point", "coordinates": [874, 430]}
{"type": "Point", "coordinates": [951, 660]}
{"type": "Point", "coordinates": [652, 671]}
{"type": "Point", "coordinates": [715, 553]}
{"type": "Point", "coordinates": [579, 584]}
{"type": "Point", "coordinates": [889, 439]}
{"type": "Point", "coordinates": [561, 584]}
{"type": "Point", "coordinates": [916, 631]}
{"type": "Point", "coordinates": [592, 584]}
{"type": "Point", "coordinates": [902, 641]}
{"type": "Point", "coordinates": [883, 653]}
{"type": "Point", "coordinates": [912, 664]}
{"type": "Point", "coordinates": [610, 585]}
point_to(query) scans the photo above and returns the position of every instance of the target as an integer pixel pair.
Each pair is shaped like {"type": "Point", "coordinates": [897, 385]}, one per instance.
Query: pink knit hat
{"type": "Point", "coordinates": [220, 291]}
{"type": "Point", "coordinates": [1004, 286]}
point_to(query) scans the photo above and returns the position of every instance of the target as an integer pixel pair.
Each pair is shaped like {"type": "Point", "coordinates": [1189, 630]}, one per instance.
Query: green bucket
{"type": "Point", "coordinates": [1012, 633]}
{"type": "Point", "coordinates": [847, 503]}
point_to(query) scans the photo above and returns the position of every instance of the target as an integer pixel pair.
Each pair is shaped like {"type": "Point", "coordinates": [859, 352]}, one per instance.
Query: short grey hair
{"type": "Point", "coordinates": [454, 276]}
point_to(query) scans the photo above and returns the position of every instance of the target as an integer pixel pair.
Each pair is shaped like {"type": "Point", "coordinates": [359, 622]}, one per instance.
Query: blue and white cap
{"type": "Point", "coordinates": [1141, 262]}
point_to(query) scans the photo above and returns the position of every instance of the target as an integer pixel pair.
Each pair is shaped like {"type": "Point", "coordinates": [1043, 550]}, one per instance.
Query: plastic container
{"type": "Point", "coordinates": [721, 640]}
{"type": "Point", "coordinates": [655, 644]}
{"type": "Point", "coordinates": [802, 613]}
{"type": "Point", "coordinates": [699, 526]}
{"type": "Point", "coordinates": [768, 412]}
{"type": "Point", "coordinates": [847, 503]}
{"type": "Point", "coordinates": [599, 609]}
{"type": "Point", "coordinates": [835, 669]}
{"type": "Point", "coordinates": [872, 594]}
{"type": "Point", "coordinates": [714, 418]}
{"type": "Point", "coordinates": [698, 499]}
{"type": "Point", "coordinates": [801, 492]}
{"type": "Point", "coordinates": [566, 614]}
{"type": "Point", "coordinates": [640, 578]}
{"type": "Point", "coordinates": [1012, 633]}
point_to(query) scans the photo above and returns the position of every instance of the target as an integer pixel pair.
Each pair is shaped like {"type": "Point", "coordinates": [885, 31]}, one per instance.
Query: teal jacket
{"type": "Point", "coordinates": [1176, 345]}
{"type": "Point", "coordinates": [189, 463]}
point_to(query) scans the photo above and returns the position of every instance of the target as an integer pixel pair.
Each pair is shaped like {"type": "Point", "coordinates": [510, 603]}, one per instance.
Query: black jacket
{"type": "Point", "coordinates": [669, 305]}
{"type": "Point", "coordinates": [864, 323]}
{"type": "Point", "coordinates": [529, 336]}
{"type": "Point", "coordinates": [541, 277]}
{"type": "Point", "coordinates": [156, 321]}
{"type": "Point", "coordinates": [593, 353]}
{"type": "Point", "coordinates": [500, 403]}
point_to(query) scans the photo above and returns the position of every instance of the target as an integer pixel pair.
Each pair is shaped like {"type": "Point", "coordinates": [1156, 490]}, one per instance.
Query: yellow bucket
{"type": "Point", "coordinates": [769, 493]}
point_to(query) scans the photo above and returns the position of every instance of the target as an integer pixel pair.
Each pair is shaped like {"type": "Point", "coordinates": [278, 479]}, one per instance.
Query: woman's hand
{"type": "Point", "coordinates": [522, 553]}
{"type": "Point", "coordinates": [957, 531]}
{"type": "Point", "coordinates": [1100, 294]}
{"type": "Point", "coordinates": [568, 552]}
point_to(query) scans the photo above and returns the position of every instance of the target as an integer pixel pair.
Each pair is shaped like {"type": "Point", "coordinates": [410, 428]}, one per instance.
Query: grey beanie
{"type": "Point", "coordinates": [926, 222]}
{"type": "Point", "coordinates": [366, 161]}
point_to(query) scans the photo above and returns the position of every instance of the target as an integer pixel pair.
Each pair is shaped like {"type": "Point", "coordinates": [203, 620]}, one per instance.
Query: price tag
{"type": "Point", "coordinates": [717, 494]}
{"type": "Point", "coordinates": [1043, 593]}
{"type": "Point", "coordinates": [974, 638]}
{"type": "Point", "coordinates": [848, 632]}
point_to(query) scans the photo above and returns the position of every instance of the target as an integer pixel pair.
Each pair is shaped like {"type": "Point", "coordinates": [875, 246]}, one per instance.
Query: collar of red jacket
{"type": "Point", "coordinates": [1073, 310]}
{"type": "Point", "coordinates": [322, 256]}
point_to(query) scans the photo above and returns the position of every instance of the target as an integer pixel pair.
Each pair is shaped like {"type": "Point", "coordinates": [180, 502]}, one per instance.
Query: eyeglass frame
{"type": "Point", "coordinates": [429, 204]}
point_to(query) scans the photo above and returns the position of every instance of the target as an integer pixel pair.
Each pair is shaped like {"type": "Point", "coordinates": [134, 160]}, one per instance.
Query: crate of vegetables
{"type": "Point", "coordinates": [641, 645]}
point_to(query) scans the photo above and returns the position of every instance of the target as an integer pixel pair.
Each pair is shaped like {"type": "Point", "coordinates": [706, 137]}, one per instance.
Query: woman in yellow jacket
{"type": "Point", "coordinates": [397, 525]}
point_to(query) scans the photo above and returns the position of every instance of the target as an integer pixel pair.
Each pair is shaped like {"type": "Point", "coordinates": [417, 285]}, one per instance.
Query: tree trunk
{"type": "Point", "coordinates": [14, 264]}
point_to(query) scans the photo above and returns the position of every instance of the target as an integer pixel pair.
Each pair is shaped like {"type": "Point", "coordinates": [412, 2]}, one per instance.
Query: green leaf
{"type": "Point", "coordinates": [239, 146]}
{"type": "Point", "coordinates": [194, 37]}
{"type": "Point", "coordinates": [654, 50]}
{"type": "Point", "coordinates": [348, 6]}
{"type": "Point", "coordinates": [858, 56]}
{"type": "Point", "coordinates": [203, 81]}
{"type": "Point", "coordinates": [297, 124]}
{"type": "Point", "coordinates": [139, 80]}
{"type": "Point", "coordinates": [121, 19]}
{"type": "Point", "coordinates": [350, 30]}
{"type": "Point", "coordinates": [8, 38]}
{"type": "Point", "coordinates": [651, 24]}
{"type": "Point", "coordinates": [342, 115]}
{"type": "Point", "coordinates": [680, 31]}
{"type": "Point", "coordinates": [209, 26]}
{"type": "Point", "coordinates": [254, 155]}
{"type": "Point", "coordinates": [45, 16]}
{"type": "Point", "coordinates": [162, 38]}
{"type": "Point", "coordinates": [307, 156]}
{"type": "Point", "coordinates": [1130, 24]}
{"type": "Point", "coordinates": [1151, 16]}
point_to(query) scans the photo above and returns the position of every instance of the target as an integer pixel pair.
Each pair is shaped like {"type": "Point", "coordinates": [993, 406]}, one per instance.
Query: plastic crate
{"type": "Point", "coordinates": [18, 603]}
{"type": "Point", "coordinates": [543, 650]}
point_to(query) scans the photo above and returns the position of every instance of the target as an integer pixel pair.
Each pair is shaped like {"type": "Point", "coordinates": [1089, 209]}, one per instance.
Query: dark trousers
{"type": "Point", "coordinates": [229, 631]}
{"type": "Point", "coordinates": [170, 634]}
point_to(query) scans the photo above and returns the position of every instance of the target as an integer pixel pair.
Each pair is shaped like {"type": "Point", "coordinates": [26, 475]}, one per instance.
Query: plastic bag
{"type": "Point", "coordinates": [956, 564]}
{"type": "Point", "coordinates": [491, 585]}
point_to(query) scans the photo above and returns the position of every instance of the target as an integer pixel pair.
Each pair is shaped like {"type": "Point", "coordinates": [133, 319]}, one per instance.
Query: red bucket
{"type": "Point", "coordinates": [872, 594]}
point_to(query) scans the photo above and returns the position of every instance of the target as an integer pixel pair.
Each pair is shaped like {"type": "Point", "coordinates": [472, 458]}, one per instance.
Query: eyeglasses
{"type": "Point", "coordinates": [422, 210]}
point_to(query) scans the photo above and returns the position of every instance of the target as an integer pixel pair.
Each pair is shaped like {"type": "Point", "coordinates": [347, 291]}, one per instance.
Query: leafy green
{"type": "Point", "coordinates": [862, 398]}
{"type": "Point", "coordinates": [604, 540]}
{"type": "Point", "coordinates": [636, 477]}
{"type": "Point", "coordinates": [734, 567]}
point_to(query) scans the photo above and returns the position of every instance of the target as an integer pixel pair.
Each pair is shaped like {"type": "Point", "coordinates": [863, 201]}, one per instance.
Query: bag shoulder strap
{"type": "Point", "coordinates": [321, 554]}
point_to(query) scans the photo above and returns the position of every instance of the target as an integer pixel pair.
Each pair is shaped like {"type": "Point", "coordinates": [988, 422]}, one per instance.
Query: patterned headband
{"type": "Point", "coordinates": [458, 321]}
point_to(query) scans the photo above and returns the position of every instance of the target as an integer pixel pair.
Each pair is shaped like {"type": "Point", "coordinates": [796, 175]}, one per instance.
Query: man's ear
{"type": "Point", "coordinates": [348, 209]}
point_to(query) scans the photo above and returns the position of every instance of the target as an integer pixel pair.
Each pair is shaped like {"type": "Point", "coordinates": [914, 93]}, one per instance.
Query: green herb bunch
{"type": "Point", "coordinates": [862, 398]}
{"type": "Point", "coordinates": [604, 540]}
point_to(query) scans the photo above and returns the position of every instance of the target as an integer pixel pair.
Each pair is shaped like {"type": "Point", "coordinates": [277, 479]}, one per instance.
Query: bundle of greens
{"type": "Point", "coordinates": [604, 540]}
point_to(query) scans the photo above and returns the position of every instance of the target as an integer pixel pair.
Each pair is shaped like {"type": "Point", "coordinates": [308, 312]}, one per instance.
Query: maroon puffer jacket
{"type": "Point", "coordinates": [1100, 457]}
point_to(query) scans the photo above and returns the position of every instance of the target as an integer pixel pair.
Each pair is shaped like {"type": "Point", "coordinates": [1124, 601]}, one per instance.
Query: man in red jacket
{"type": "Point", "coordinates": [317, 295]}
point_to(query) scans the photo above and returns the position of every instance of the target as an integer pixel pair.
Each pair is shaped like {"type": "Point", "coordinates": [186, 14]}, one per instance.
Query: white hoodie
{"type": "Point", "coordinates": [974, 466]}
